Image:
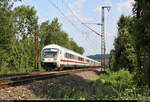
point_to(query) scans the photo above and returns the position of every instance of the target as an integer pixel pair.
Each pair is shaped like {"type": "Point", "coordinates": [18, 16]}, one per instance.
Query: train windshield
{"type": "Point", "coordinates": [50, 52]}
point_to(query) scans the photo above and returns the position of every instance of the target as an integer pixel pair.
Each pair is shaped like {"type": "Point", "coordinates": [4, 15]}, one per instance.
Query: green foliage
{"type": "Point", "coordinates": [132, 46]}
{"type": "Point", "coordinates": [123, 56]}
{"type": "Point", "coordinates": [120, 85]}
{"type": "Point", "coordinates": [139, 77]}
{"type": "Point", "coordinates": [113, 86]}
{"type": "Point", "coordinates": [141, 33]}
{"type": "Point", "coordinates": [51, 33]}
{"type": "Point", "coordinates": [16, 41]}
{"type": "Point", "coordinates": [6, 33]}
{"type": "Point", "coordinates": [112, 61]}
{"type": "Point", "coordinates": [22, 54]}
{"type": "Point", "coordinates": [121, 79]}
{"type": "Point", "coordinates": [17, 27]}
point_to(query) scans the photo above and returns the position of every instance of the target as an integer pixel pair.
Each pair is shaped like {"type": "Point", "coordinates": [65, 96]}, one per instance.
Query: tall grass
{"type": "Point", "coordinates": [120, 86]}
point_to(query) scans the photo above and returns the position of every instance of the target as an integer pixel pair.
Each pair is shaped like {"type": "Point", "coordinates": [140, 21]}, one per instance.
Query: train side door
{"type": "Point", "coordinates": [60, 56]}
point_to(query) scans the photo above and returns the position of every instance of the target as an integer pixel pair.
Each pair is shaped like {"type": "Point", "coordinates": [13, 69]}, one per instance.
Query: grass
{"type": "Point", "coordinates": [111, 86]}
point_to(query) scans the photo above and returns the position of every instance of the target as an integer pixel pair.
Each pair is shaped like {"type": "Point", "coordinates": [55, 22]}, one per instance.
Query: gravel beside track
{"type": "Point", "coordinates": [44, 88]}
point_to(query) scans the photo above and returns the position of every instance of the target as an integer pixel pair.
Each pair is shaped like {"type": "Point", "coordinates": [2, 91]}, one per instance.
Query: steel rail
{"type": "Point", "coordinates": [31, 77]}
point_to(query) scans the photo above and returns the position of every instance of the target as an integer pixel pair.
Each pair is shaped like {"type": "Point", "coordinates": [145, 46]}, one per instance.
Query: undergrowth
{"type": "Point", "coordinates": [120, 86]}
{"type": "Point", "coordinates": [110, 86]}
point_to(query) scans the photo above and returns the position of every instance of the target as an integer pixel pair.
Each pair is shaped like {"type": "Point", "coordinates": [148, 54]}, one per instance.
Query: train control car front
{"type": "Point", "coordinates": [49, 57]}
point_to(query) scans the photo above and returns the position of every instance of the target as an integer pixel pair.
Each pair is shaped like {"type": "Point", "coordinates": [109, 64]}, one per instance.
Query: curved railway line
{"type": "Point", "coordinates": [8, 80]}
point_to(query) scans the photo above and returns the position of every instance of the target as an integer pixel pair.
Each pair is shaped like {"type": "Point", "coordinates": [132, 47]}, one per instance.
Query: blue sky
{"type": "Point", "coordinates": [88, 11]}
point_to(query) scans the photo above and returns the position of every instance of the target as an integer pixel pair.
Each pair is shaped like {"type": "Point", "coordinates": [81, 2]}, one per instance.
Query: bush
{"type": "Point", "coordinates": [120, 85]}
{"type": "Point", "coordinates": [115, 83]}
{"type": "Point", "coordinates": [121, 79]}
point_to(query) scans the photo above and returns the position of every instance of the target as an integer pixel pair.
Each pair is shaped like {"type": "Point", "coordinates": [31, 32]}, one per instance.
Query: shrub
{"type": "Point", "coordinates": [120, 85]}
{"type": "Point", "coordinates": [115, 83]}
{"type": "Point", "coordinates": [121, 79]}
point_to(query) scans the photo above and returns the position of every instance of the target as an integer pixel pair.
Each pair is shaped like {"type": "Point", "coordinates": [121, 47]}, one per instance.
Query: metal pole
{"type": "Point", "coordinates": [36, 47]}
{"type": "Point", "coordinates": [102, 40]}
{"type": "Point", "coordinates": [103, 48]}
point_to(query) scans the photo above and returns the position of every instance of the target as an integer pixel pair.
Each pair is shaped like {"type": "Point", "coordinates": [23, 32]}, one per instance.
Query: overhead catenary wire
{"type": "Point", "coordinates": [79, 20]}
{"type": "Point", "coordinates": [64, 16]}
{"type": "Point", "coordinates": [79, 38]}
{"type": "Point", "coordinates": [82, 22]}
{"type": "Point", "coordinates": [72, 25]}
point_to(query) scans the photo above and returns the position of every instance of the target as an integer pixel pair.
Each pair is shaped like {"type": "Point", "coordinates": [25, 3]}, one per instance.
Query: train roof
{"type": "Point", "coordinates": [73, 52]}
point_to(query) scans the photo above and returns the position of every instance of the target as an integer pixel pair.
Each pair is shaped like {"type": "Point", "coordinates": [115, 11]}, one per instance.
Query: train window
{"type": "Point", "coordinates": [67, 55]}
{"type": "Point", "coordinates": [75, 57]}
{"type": "Point", "coordinates": [50, 52]}
{"type": "Point", "coordinates": [72, 57]}
{"type": "Point", "coordinates": [79, 58]}
{"type": "Point", "coordinates": [87, 60]}
{"type": "Point", "coordinates": [82, 59]}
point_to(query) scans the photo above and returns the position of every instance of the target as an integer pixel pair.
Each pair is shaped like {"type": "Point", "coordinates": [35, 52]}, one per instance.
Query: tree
{"type": "Point", "coordinates": [17, 37]}
{"type": "Point", "coordinates": [123, 56]}
{"type": "Point", "coordinates": [6, 33]}
{"type": "Point", "coordinates": [25, 17]}
{"type": "Point", "coordinates": [51, 33]}
{"type": "Point", "coordinates": [142, 34]}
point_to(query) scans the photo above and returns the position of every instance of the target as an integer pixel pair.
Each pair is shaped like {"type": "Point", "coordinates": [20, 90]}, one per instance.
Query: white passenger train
{"type": "Point", "coordinates": [55, 56]}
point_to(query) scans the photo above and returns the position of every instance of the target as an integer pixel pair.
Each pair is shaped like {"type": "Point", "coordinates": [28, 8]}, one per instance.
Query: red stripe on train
{"type": "Point", "coordinates": [62, 60]}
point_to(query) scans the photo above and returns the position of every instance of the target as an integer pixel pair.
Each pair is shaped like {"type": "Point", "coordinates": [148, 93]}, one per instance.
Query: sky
{"type": "Point", "coordinates": [72, 13]}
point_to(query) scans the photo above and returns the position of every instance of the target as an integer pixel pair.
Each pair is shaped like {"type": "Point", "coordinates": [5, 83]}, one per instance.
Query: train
{"type": "Point", "coordinates": [54, 56]}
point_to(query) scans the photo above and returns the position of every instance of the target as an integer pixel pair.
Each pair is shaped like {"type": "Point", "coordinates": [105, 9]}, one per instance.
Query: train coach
{"type": "Point", "coordinates": [55, 56]}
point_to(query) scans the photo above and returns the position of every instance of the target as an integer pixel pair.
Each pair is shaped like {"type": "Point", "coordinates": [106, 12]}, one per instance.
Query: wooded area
{"type": "Point", "coordinates": [132, 45]}
{"type": "Point", "coordinates": [17, 43]}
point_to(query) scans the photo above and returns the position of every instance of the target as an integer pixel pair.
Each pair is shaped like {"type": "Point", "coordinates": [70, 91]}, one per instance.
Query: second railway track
{"type": "Point", "coordinates": [24, 78]}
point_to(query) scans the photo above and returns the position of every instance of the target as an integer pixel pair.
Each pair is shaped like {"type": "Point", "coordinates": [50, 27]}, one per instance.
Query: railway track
{"type": "Point", "coordinates": [8, 80]}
